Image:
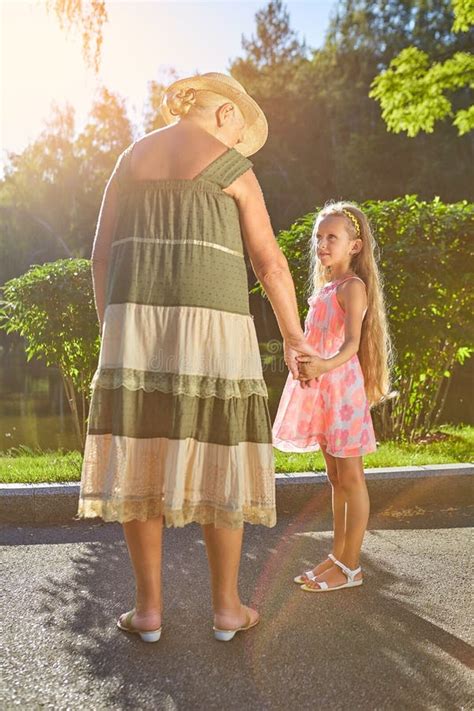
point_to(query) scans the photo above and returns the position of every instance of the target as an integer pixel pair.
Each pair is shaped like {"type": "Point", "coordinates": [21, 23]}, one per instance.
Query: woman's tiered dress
{"type": "Point", "coordinates": [179, 423]}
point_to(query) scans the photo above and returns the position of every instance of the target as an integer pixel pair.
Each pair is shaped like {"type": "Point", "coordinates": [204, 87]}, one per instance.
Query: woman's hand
{"type": "Point", "coordinates": [292, 348]}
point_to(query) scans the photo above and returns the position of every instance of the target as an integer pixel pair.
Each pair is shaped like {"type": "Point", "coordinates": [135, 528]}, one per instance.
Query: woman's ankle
{"type": "Point", "coordinates": [147, 620]}
{"type": "Point", "coordinates": [227, 606]}
{"type": "Point", "coordinates": [224, 611]}
{"type": "Point", "coordinates": [146, 610]}
{"type": "Point", "coordinates": [229, 618]}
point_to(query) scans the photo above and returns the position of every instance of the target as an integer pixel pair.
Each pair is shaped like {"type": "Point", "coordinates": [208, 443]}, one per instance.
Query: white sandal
{"type": "Point", "coordinates": [309, 575]}
{"type": "Point", "coordinates": [350, 575]}
{"type": "Point", "coordinates": [124, 622]}
{"type": "Point", "coordinates": [226, 635]}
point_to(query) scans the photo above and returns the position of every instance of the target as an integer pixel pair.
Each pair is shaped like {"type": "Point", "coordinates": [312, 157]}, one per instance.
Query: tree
{"type": "Point", "coordinates": [270, 70]}
{"type": "Point", "coordinates": [276, 43]}
{"type": "Point", "coordinates": [327, 139]}
{"type": "Point", "coordinates": [87, 17]}
{"type": "Point", "coordinates": [51, 192]}
{"type": "Point", "coordinates": [412, 91]}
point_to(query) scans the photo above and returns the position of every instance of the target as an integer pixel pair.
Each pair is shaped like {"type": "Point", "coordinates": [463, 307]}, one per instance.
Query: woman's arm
{"type": "Point", "coordinates": [104, 234]}
{"type": "Point", "coordinates": [269, 264]}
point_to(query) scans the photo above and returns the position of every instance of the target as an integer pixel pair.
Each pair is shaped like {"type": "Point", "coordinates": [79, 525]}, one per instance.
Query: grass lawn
{"type": "Point", "coordinates": [448, 445]}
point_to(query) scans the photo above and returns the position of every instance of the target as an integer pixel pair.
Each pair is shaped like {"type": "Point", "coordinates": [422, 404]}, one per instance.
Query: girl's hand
{"type": "Point", "coordinates": [292, 348]}
{"type": "Point", "coordinates": [310, 367]}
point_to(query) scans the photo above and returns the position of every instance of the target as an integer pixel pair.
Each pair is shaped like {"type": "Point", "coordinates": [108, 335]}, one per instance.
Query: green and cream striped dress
{"type": "Point", "coordinates": [179, 423]}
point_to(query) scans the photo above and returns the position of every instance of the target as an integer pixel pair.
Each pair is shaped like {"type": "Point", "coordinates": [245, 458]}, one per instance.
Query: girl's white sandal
{"type": "Point", "coordinates": [309, 575]}
{"type": "Point", "coordinates": [350, 575]}
{"type": "Point", "coordinates": [126, 626]}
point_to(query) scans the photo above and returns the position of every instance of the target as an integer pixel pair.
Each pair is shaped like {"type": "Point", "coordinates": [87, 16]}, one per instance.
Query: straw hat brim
{"type": "Point", "coordinates": [256, 131]}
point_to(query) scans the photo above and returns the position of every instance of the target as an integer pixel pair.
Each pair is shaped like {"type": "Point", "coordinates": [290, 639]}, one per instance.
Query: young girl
{"type": "Point", "coordinates": [327, 408]}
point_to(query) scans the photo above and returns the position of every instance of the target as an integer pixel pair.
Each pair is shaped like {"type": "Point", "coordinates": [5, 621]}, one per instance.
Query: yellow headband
{"type": "Point", "coordinates": [353, 219]}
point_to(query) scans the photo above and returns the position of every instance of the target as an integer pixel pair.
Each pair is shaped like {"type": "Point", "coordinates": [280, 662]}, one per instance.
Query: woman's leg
{"type": "Point", "coordinates": [224, 548]}
{"type": "Point", "coordinates": [144, 540]}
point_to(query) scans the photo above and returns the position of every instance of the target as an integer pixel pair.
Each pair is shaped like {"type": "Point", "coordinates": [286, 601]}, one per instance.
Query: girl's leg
{"type": "Point", "coordinates": [354, 488]}
{"type": "Point", "coordinates": [338, 511]}
{"type": "Point", "coordinates": [143, 540]}
{"type": "Point", "coordinates": [351, 476]}
{"type": "Point", "coordinates": [224, 548]}
{"type": "Point", "coordinates": [338, 505]}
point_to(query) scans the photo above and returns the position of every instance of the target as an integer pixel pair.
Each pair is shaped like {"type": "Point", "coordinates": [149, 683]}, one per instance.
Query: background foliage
{"type": "Point", "coordinates": [426, 256]}
{"type": "Point", "coordinates": [327, 139]}
{"type": "Point", "coordinates": [52, 308]}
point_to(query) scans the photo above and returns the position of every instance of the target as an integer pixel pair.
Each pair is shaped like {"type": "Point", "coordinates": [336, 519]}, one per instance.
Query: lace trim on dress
{"type": "Point", "coordinates": [178, 383]}
{"type": "Point", "coordinates": [144, 509]}
{"type": "Point", "coordinates": [125, 478]}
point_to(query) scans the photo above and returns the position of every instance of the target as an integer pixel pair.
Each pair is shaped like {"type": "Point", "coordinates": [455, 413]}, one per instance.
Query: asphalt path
{"type": "Point", "coordinates": [400, 641]}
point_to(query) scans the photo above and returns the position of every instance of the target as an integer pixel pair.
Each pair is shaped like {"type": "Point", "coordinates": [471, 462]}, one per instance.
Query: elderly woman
{"type": "Point", "coordinates": [179, 427]}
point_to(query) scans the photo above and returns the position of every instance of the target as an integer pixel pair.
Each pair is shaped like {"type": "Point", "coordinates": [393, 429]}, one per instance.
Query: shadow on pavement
{"type": "Point", "coordinates": [398, 641]}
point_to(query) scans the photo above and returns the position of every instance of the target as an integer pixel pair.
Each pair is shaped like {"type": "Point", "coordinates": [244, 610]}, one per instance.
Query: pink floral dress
{"type": "Point", "coordinates": [334, 412]}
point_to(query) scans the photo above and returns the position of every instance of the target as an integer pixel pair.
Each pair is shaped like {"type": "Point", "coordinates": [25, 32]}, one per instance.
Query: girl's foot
{"type": "Point", "coordinates": [231, 620]}
{"type": "Point", "coordinates": [145, 621]}
{"type": "Point", "coordinates": [333, 576]}
{"type": "Point", "coordinates": [318, 570]}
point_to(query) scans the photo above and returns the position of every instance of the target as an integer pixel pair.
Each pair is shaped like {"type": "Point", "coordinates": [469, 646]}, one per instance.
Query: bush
{"type": "Point", "coordinates": [52, 307]}
{"type": "Point", "coordinates": [425, 249]}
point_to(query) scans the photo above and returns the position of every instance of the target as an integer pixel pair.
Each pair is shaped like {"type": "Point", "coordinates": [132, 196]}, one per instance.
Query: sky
{"type": "Point", "coordinates": [42, 65]}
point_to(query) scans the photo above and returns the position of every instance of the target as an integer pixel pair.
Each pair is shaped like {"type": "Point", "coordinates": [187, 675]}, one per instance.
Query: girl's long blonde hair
{"type": "Point", "coordinates": [375, 349]}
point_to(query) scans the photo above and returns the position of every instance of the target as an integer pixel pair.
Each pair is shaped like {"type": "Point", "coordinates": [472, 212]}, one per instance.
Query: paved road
{"type": "Point", "coordinates": [401, 641]}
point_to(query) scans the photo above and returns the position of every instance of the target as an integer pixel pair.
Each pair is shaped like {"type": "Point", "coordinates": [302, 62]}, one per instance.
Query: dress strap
{"type": "Point", "coordinates": [226, 168]}
{"type": "Point", "coordinates": [351, 276]}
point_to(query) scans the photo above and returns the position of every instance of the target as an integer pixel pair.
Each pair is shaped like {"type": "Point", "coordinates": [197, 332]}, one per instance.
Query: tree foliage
{"type": "Point", "coordinates": [327, 138]}
{"type": "Point", "coordinates": [463, 14]}
{"type": "Point", "coordinates": [88, 18]}
{"type": "Point", "coordinates": [413, 91]}
{"type": "Point", "coordinates": [51, 192]}
{"type": "Point", "coordinates": [275, 42]}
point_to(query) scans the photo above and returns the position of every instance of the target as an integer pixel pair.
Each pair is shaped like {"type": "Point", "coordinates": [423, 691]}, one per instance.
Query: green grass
{"type": "Point", "coordinates": [23, 465]}
{"type": "Point", "coordinates": [454, 444]}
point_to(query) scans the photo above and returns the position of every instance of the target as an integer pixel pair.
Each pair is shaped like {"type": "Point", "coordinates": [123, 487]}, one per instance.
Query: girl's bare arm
{"type": "Point", "coordinates": [353, 300]}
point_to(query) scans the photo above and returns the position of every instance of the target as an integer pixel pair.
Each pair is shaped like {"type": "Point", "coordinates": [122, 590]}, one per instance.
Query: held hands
{"type": "Point", "coordinates": [310, 367]}
{"type": "Point", "coordinates": [303, 362]}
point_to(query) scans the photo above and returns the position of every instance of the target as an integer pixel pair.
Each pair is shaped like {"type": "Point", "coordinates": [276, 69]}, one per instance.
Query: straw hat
{"type": "Point", "coordinates": [256, 130]}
